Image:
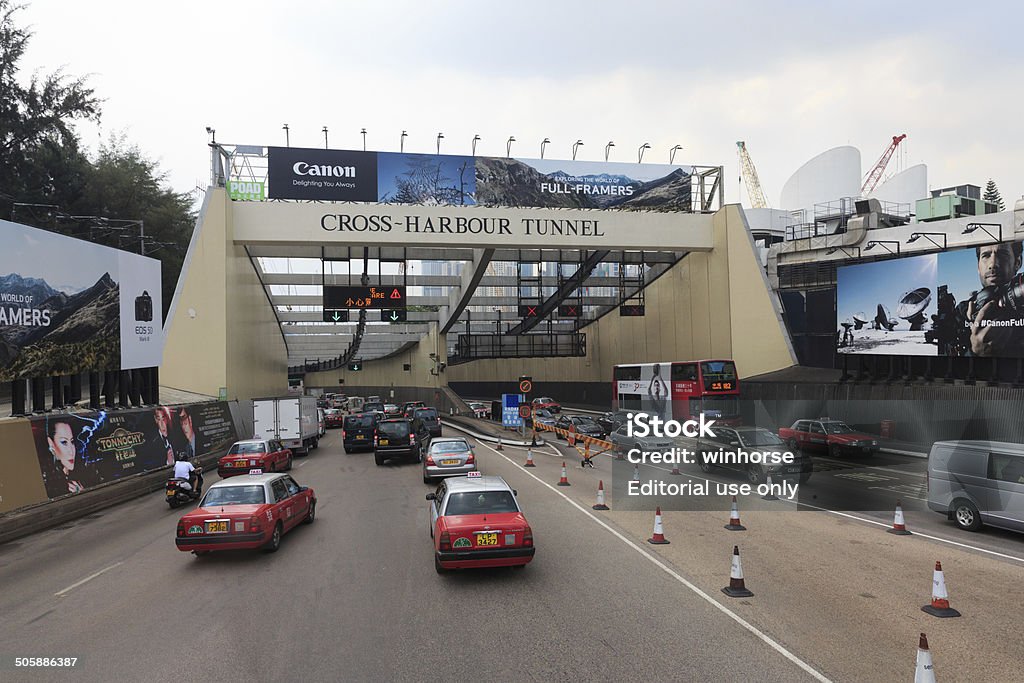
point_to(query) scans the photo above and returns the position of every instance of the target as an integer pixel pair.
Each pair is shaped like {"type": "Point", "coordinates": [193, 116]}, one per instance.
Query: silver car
{"type": "Point", "coordinates": [448, 457]}
{"type": "Point", "coordinates": [622, 442]}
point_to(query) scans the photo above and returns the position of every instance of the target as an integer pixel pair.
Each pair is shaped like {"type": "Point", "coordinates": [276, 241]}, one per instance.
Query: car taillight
{"type": "Point", "coordinates": [471, 459]}
{"type": "Point", "coordinates": [430, 461]}
{"type": "Point", "coordinates": [445, 541]}
{"type": "Point", "coordinates": [254, 524]}
{"type": "Point", "coordinates": [412, 439]}
{"type": "Point", "coordinates": [343, 434]}
{"type": "Point", "coordinates": [528, 537]}
{"type": "Point", "coordinates": [181, 527]}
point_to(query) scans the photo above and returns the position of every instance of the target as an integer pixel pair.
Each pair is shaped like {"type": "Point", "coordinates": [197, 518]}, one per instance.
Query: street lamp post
{"type": "Point", "coordinates": [640, 152]}
{"type": "Point", "coordinates": [401, 141]}
{"type": "Point", "coordinates": [608, 149]}
{"type": "Point", "coordinates": [325, 137]}
{"type": "Point", "coordinates": [287, 138]}
{"type": "Point", "coordinates": [363, 131]}
{"type": "Point", "coordinates": [475, 139]}
{"type": "Point", "coordinates": [575, 146]}
{"type": "Point", "coordinates": [508, 145]}
{"type": "Point", "coordinates": [672, 154]}
{"type": "Point", "coordinates": [543, 142]}
{"type": "Point", "coordinates": [439, 137]}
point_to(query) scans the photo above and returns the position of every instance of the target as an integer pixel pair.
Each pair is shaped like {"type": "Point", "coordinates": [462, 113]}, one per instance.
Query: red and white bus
{"type": "Point", "coordinates": [679, 390]}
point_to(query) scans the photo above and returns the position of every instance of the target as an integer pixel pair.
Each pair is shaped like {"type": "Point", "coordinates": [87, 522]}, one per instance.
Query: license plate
{"type": "Point", "coordinates": [220, 527]}
{"type": "Point", "coordinates": [383, 442]}
{"type": "Point", "coordinates": [360, 437]}
{"type": "Point", "coordinates": [487, 539]}
{"type": "Point", "coordinates": [241, 463]}
{"type": "Point", "coordinates": [451, 462]}
{"type": "Point", "coordinates": [170, 493]}
{"type": "Point", "coordinates": [792, 469]}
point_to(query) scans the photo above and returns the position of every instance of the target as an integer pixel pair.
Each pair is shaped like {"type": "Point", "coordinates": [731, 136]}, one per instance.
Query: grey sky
{"type": "Point", "coordinates": [791, 79]}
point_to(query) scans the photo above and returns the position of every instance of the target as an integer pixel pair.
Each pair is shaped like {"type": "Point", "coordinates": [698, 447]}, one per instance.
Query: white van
{"type": "Point", "coordinates": [978, 482]}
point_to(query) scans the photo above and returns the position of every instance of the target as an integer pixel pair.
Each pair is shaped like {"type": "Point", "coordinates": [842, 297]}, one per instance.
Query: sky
{"type": "Point", "coordinates": [791, 79]}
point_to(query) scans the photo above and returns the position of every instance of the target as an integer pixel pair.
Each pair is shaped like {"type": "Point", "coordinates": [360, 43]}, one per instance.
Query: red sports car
{"type": "Point", "coordinates": [254, 454]}
{"type": "Point", "coordinates": [475, 521]}
{"type": "Point", "coordinates": [248, 512]}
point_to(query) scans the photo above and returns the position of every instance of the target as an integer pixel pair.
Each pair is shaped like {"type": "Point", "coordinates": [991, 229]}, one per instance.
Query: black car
{"type": "Point", "coordinates": [581, 424]}
{"type": "Point", "coordinates": [430, 419]}
{"type": "Point", "coordinates": [613, 420]}
{"type": "Point", "coordinates": [357, 431]}
{"type": "Point", "coordinates": [729, 439]}
{"type": "Point", "coordinates": [400, 438]}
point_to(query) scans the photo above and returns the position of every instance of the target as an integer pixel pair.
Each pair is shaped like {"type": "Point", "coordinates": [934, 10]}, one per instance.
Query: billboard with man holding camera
{"type": "Point", "coordinates": [69, 306]}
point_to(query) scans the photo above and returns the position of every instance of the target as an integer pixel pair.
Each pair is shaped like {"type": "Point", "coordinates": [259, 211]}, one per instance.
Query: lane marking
{"type": "Point", "coordinates": [919, 475]}
{"type": "Point", "coordinates": [73, 586]}
{"type": "Point", "coordinates": [671, 572]}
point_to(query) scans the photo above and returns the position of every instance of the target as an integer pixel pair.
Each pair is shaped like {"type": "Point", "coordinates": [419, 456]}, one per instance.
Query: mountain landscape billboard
{"type": "Point", "coordinates": [69, 306]}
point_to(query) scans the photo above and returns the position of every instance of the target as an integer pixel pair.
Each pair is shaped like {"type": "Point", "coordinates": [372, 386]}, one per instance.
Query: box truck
{"type": "Point", "coordinates": [292, 419]}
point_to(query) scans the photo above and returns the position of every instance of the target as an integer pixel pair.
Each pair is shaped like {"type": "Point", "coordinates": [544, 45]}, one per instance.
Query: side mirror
{"type": "Point", "coordinates": [303, 488]}
{"type": "Point", "coordinates": [431, 496]}
{"type": "Point", "coordinates": [515, 493]}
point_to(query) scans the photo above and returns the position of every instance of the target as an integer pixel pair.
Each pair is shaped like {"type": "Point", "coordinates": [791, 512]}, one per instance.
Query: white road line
{"type": "Point", "coordinates": [671, 572]}
{"type": "Point", "coordinates": [88, 578]}
{"type": "Point", "coordinates": [919, 475]}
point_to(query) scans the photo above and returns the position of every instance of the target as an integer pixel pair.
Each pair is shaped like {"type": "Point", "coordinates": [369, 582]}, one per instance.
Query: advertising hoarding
{"type": "Point", "coordinates": [68, 306]}
{"type": "Point", "coordinates": [449, 180]}
{"type": "Point", "coordinates": [960, 302]}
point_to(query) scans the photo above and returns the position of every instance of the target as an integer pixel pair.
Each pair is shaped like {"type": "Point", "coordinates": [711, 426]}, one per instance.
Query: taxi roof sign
{"type": "Point", "coordinates": [474, 475]}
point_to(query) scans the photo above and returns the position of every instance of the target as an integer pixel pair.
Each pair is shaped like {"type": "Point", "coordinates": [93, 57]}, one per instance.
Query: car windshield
{"type": "Point", "coordinates": [426, 413]}
{"type": "Point", "coordinates": [449, 447]}
{"type": "Point", "coordinates": [374, 406]}
{"type": "Point", "coordinates": [544, 399]}
{"type": "Point", "coordinates": [234, 495]}
{"type": "Point", "coordinates": [838, 428]}
{"type": "Point", "coordinates": [760, 437]}
{"type": "Point", "coordinates": [246, 448]}
{"type": "Point", "coordinates": [586, 422]}
{"type": "Point", "coordinates": [393, 428]}
{"type": "Point", "coordinates": [481, 503]}
{"type": "Point", "coordinates": [358, 421]}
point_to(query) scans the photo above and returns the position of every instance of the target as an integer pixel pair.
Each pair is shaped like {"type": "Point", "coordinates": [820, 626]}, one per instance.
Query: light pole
{"type": "Point", "coordinates": [439, 137]}
{"type": "Point", "coordinates": [363, 131]}
{"type": "Point", "coordinates": [576, 145]}
{"type": "Point", "coordinates": [475, 139]}
{"type": "Point", "coordinates": [508, 145]}
{"type": "Point", "coordinates": [543, 142]}
{"type": "Point", "coordinates": [401, 142]}
{"type": "Point", "coordinates": [640, 152]}
{"type": "Point", "coordinates": [325, 137]}
{"type": "Point", "coordinates": [672, 154]}
{"type": "Point", "coordinates": [608, 149]}
{"type": "Point", "coordinates": [287, 138]}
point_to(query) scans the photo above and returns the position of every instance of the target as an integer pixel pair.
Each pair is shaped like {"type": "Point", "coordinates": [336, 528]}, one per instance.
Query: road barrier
{"type": "Point", "coordinates": [734, 518]}
{"type": "Point", "coordinates": [939, 606]}
{"type": "Point", "coordinates": [658, 537]}
{"type": "Point", "coordinates": [736, 587]}
{"type": "Point", "coordinates": [899, 526]}
{"type": "Point", "coordinates": [600, 497]}
{"type": "Point", "coordinates": [577, 441]}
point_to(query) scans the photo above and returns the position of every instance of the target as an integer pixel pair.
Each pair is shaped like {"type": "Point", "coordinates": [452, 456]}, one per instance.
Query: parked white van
{"type": "Point", "coordinates": [978, 482]}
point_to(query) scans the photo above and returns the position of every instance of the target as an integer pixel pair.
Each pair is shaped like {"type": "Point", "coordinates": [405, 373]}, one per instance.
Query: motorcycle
{"type": "Point", "coordinates": [177, 496]}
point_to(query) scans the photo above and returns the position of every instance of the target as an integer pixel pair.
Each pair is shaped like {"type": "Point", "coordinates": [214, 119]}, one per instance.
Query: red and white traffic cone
{"type": "Point", "coordinates": [939, 606]}
{"type": "Point", "coordinates": [924, 672]}
{"type": "Point", "coordinates": [529, 458]}
{"type": "Point", "coordinates": [564, 481]}
{"type": "Point", "coordinates": [675, 467]}
{"type": "Point", "coordinates": [734, 518]}
{"type": "Point", "coordinates": [899, 527]}
{"type": "Point", "coordinates": [736, 587]}
{"type": "Point", "coordinates": [600, 497]}
{"type": "Point", "coordinates": [768, 494]}
{"type": "Point", "coordinates": [636, 472]}
{"type": "Point", "coordinates": [658, 537]}
{"type": "Point", "coordinates": [498, 447]}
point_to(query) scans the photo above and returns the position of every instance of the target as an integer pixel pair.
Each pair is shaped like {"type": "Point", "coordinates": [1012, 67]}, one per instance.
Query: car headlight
{"type": "Point", "coordinates": [874, 443]}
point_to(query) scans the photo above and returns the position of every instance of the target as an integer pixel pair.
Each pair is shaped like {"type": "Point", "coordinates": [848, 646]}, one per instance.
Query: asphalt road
{"type": "Point", "coordinates": [355, 597]}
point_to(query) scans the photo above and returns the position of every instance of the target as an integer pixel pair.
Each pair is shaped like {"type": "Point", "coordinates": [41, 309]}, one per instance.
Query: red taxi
{"type": "Point", "coordinates": [832, 436]}
{"type": "Point", "coordinates": [254, 454]}
{"type": "Point", "coordinates": [248, 512]}
{"type": "Point", "coordinates": [476, 521]}
{"type": "Point", "coordinates": [546, 402]}
{"type": "Point", "coordinates": [334, 418]}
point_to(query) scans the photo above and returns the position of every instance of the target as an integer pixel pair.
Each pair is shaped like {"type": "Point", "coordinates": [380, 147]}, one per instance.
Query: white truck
{"type": "Point", "coordinates": [292, 419]}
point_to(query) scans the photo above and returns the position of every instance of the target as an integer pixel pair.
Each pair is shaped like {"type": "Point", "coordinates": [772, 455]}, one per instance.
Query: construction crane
{"type": "Point", "coordinates": [749, 178]}
{"type": "Point", "coordinates": [875, 174]}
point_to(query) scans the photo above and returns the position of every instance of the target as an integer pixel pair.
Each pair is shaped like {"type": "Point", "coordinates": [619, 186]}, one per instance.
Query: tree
{"type": "Point", "coordinates": [992, 194]}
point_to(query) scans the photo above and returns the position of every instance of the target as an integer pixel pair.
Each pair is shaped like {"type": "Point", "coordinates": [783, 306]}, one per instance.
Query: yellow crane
{"type": "Point", "coordinates": [749, 178]}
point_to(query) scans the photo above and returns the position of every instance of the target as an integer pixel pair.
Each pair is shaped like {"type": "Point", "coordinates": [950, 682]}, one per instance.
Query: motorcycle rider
{"type": "Point", "coordinates": [184, 469]}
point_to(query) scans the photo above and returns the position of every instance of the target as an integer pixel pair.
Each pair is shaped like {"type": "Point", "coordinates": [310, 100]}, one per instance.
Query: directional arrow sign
{"type": "Point", "coordinates": [397, 315]}
{"type": "Point", "coordinates": [335, 316]}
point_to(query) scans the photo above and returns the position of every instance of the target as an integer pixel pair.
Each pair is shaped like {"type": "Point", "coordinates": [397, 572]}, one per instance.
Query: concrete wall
{"type": "Point", "coordinates": [222, 330]}
{"type": "Point", "coordinates": [712, 304]}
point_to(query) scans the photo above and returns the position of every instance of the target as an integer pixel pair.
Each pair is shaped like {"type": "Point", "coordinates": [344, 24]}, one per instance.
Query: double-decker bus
{"type": "Point", "coordinates": [679, 390]}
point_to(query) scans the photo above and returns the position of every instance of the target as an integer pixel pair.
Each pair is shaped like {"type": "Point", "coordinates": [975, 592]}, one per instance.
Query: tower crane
{"type": "Point", "coordinates": [875, 174]}
{"type": "Point", "coordinates": [754, 191]}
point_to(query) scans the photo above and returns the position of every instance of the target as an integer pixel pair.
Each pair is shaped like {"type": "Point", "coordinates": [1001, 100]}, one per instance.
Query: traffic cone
{"type": "Point", "coordinates": [924, 672]}
{"type": "Point", "coordinates": [675, 467]}
{"type": "Point", "coordinates": [769, 495]}
{"type": "Point", "coordinates": [899, 527]}
{"type": "Point", "coordinates": [636, 472]}
{"type": "Point", "coordinates": [939, 606]}
{"type": "Point", "coordinates": [600, 497]}
{"type": "Point", "coordinates": [529, 458]}
{"type": "Point", "coordinates": [658, 537]}
{"type": "Point", "coordinates": [498, 447]}
{"type": "Point", "coordinates": [736, 588]}
{"type": "Point", "coordinates": [734, 518]}
{"type": "Point", "coordinates": [564, 481]}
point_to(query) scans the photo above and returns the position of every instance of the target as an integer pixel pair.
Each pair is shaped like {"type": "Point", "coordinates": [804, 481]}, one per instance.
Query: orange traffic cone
{"type": "Point", "coordinates": [924, 672]}
{"type": "Point", "coordinates": [529, 458]}
{"type": "Point", "coordinates": [939, 606]}
{"type": "Point", "coordinates": [564, 481]}
{"type": "Point", "coordinates": [768, 494]}
{"type": "Point", "coordinates": [734, 518]}
{"type": "Point", "coordinates": [498, 447]}
{"type": "Point", "coordinates": [736, 587]}
{"type": "Point", "coordinates": [899, 527]}
{"type": "Point", "coordinates": [600, 497]}
{"type": "Point", "coordinates": [658, 538]}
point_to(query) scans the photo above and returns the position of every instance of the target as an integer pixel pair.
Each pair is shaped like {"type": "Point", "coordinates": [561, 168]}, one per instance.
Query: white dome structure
{"type": "Point", "coordinates": [906, 187]}
{"type": "Point", "coordinates": [829, 176]}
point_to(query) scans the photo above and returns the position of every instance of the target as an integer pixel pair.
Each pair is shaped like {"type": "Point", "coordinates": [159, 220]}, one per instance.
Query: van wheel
{"type": "Point", "coordinates": [966, 515]}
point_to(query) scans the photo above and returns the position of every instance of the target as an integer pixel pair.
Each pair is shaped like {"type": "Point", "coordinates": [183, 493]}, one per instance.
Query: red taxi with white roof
{"type": "Point", "coordinates": [265, 455]}
{"type": "Point", "coordinates": [252, 511]}
{"type": "Point", "coordinates": [476, 521]}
